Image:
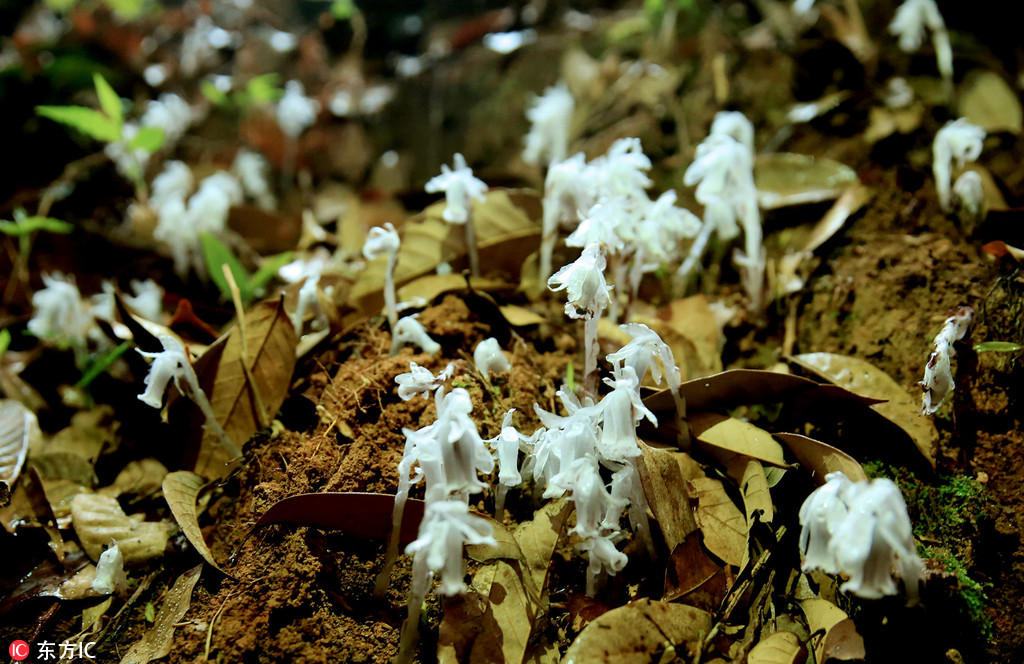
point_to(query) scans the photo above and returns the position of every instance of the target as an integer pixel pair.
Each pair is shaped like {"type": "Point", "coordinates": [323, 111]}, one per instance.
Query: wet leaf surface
{"type": "Point", "coordinates": [987, 100]}
{"type": "Point", "coordinates": [158, 639]}
{"type": "Point", "coordinates": [721, 521]}
{"type": "Point", "coordinates": [18, 428]}
{"type": "Point", "coordinates": [181, 488]}
{"type": "Point", "coordinates": [99, 520]}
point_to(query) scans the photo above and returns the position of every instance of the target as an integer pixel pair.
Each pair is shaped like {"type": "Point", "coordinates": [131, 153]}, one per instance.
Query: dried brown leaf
{"type": "Point", "coordinates": [862, 377]}
{"type": "Point", "coordinates": [520, 316]}
{"type": "Point", "coordinates": [669, 494]}
{"type": "Point", "coordinates": [640, 632]}
{"type": "Point", "coordinates": [720, 433]}
{"type": "Point", "coordinates": [778, 648]}
{"type": "Point", "coordinates": [820, 459]}
{"type": "Point", "coordinates": [723, 524]}
{"type": "Point", "coordinates": [785, 179]}
{"type": "Point", "coordinates": [756, 495]}
{"type": "Point", "coordinates": [841, 640]}
{"type": "Point", "coordinates": [987, 100]}
{"type": "Point", "coordinates": [356, 513]}
{"type": "Point", "coordinates": [18, 429]}
{"type": "Point", "coordinates": [156, 642]}
{"type": "Point", "coordinates": [181, 488]}
{"type": "Point", "coordinates": [141, 477]}
{"type": "Point", "coordinates": [270, 340]}
{"type": "Point", "coordinates": [693, 578]}
{"type": "Point", "coordinates": [99, 519]}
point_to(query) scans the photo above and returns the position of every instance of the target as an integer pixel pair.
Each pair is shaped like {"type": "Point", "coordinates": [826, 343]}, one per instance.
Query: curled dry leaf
{"type": "Point", "coordinates": [757, 497]}
{"type": "Point", "coordinates": [723, 524]}
{"type": "Point", "coordinates": [987, 100]}
{"type": "Point", "coordinates": [722, 434]}
{"type": "Point", "coordinates": [865, 378]}
{"type": "Point", "coordinates": [99, 519]}
{"type": "Point", "coordinates": [270, 342]}
{"type": "Point", "coordinates": [785, 178]}
{"type": "Point", "coordinates": [496, 622]}
{"type": "Point", "coordinates": [640, 632]}
{"type": "Point", "coordinates": [820, 459]}
{"type": "Point", "coordinates": [18, 430]}
{"type": "Point", "coordinates": [778, 648]}
{"type": "Point", "coordinates": [430, 286]}
{"type": "Point", "coordinates": [841, 640]}
{"type": "Point", "coordinates": [668, 493]}
{"type": "Point", "coordinates": [181, 488]}
{"type": "Point", "coordinates": [693, 578]}
{"type": "Point", "coordinates": [156, 642]}
{"type": "Point", "coordinates": [521, 316]}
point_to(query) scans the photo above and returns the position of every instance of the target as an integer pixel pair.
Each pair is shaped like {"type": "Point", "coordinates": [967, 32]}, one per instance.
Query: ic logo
{"type": "Point", "coordinates": [19, 650]}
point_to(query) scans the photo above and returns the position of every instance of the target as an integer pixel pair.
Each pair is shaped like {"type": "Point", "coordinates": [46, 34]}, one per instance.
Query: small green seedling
{"type": "Point", "coordinates": [997, 347]}
{"type": "Point", "coordinates": [5, 341]}
{"type": "Point", "coordinates": [249, 285]}
{"type": "Point", "coordinates": [24, 227]}
{"type": "Point", "coordinates": [124, 9]}
{"type": "Point", "coordinates": [101, 364]}
{"type": "Point", "coordinates": [258, 91]}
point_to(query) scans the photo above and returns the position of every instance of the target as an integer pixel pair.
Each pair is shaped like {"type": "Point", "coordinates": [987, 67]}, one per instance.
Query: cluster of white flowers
{"type": "Point", "coordinates": [550, 117]}
{"type": "Point", "coordinates": [295, 111]}
{"type": "Point", "coordinates": [251, 170]}
{"type": "Point", "coordinates": [938, 374]}
{"type": "Point", "coordinates": [958, 141]}
{"type": "Point", "coordinates": [61, 315]}
{"type": "Point", "coordinates": [147, 301]}
{"type": "Point", "coordinates": [860, 530]}
{"type": "Point", "coordinates": [180, 222]}
{"type": "Point", "coordinates": [169, 113]}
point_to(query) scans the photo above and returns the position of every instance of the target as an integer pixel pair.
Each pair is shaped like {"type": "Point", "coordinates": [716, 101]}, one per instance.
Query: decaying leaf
{"type": "Point", "coordinates": [99, 519]}
{"type": "Point", "coordinates": [156, 642]}
{"type": "Point", "coordinates": [429, 286]}
{"type": "Point", "coordinates": [987, 100]}
{"type": "Point", "coordinates": [689, 329]}
{"type": "Point", "coordinates": [520, 316]}
{"type": "Point", "coordinates": [18, 428]}
{"type": "Point", "coordinates": [640, 632]}
{"type": "Point", "coordinates": [141, 477]}
{"type": "Point", "coordinates": [722, 523]}
{"type": "Point", "coordinates": [757, 497]}
{"type": "Point", "coordinates": [693, 578]}
{"type": "Point", "coordinates": [820, 459]}
{"type": "Point", "coordinates": [668, 493]}
{"type": "Point", "coordinates": [270, 341]}
{"type": "Point", "coordinates": [507, 227]}
{"type": "Point", "coordinates": [356, 513]}
{"type": "Point", "coordinates": [785, 179]}
{"type": "Point", "coordinates": [181, 488]}
{"type": "Point", "coordinates": [778, 648]}
{"type": "Point", "coordinates": [865, 378]}
{"type": "Point", "coordinates": [833, 633]}
{"type": "Point", "coordinates": [496, 622]}
{"type": "Point", "coordinates": [720, 433]}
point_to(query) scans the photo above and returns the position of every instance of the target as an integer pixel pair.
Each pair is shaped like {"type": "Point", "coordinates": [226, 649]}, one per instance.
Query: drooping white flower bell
{"type": "Point", "coordinates": [583, 280]}
{"type": "Point", "coordinates": [459, 186]}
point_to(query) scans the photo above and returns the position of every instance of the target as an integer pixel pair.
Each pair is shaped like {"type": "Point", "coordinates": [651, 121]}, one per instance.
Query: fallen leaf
{"type": "Point", "coordinates": [722, 523]}
{"type": "Point", "coordinates": [820, 459]}
{"type": "Point", "coordinates": [99, 519]}
{"type": "Point", "coordinates": [778, 648]}
{"type": "Point", "coordinates": [987, 100]}
{"type": "Point", "coordinates": [855, 197]}
{"type": "Point", "coordinates": [356, 513]}
{"type": "Point", "coordinates": [18, 429]}
{"type": "Point", "coordinates": [756, 495]}
{"type": "Point", "coordinates": [520, 316]}
{"type": "Point", "coordinates": [141, 477]}
{"type": "Point", "coordinates": [430, 286]}
{"type": "Point", "coordinates": [157, 640]}
{"type": "Point", "coordinates": [496, 622]}
{"type": "Point", "coordinates": [270, 340]}
{"type": "Point", "coordinates": [833, 633]}
{"type": "Point", "coordinates": [507, 227]}
{"type": "Point", "coordinates": [865, 378]}
{"type": "Point", "coordinates": [640, 632]}
{"type": "Point", "coordinates": [693, 578]}
{"type": "Point", "coordinates": [181, 488]}
{"type": "Point", "coordinates": [784, 179]}
{"type": "Point", "coordinates": [668, 494]}
{"type": "Point", "coordinates": [884, 122]}
{"type": "Point", "coordinates": [723, 433]}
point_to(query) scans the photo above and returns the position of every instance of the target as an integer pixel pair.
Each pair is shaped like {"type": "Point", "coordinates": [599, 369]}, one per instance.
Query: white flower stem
{"type": "Point", "coordinates": [421, 577]}
{"type": "Point", "coordinates": [474, 260]}
{"type": "Point", "coordinates": [390, 306]}
{"type": "Point", "coordinates": [591, 350]}
{"type": "Point", "coordinates": [499, 502]}
{"type": "Point", "coordinates": [693, 258]}
{"type": "Point", "coordinates": [380, 588]}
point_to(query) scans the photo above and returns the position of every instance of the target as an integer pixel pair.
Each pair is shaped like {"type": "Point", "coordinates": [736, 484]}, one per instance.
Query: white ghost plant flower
{"type": "Point", "coordinates": [295, 111]}
{"type": "Point", "coordinates": [60, 315]}
{"type": "Point", "coordinates": [110, 577]}
{"type": "Point", "coordinates": [308, 302]}
{"type": "Point", "coordinates": [912, 18]}
{"type": "Point", "coordinates": [938, 374]}
{"type": "Point", "coordinates": [251, 170]}
{"type": "Point", "coordinates": [958, 141]}
{"type": "Point", "coordinates": [460, 188]}
{"type": "Point", "coordinates": [550, 117]}
{"type": "Point", "coordinates": [409, 331]}
{"type": "Point", "coordinates": [174, 181]}
{"type": "Point", "coordinates": [566, 190]}
{"type": "Point", "coordinates": [861, 530]}
{"type": "Point", "coordinates": [969, 194]}
{"type": "Point", "coordinates": [419, 381]}
{"type": "Point", "coordinates": [384, 241]}
{"type": "Point", "coordinates": [489, 358]}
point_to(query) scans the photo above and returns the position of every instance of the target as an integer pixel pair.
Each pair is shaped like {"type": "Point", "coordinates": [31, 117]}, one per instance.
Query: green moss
{"type": "Point", "coordinates": [971, 592]}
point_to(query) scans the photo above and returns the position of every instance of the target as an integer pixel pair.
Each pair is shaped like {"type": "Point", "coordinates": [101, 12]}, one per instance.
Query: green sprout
{"type": "Point", "coordinates": [101, 364]}
{"type": "Point", "coordinates": [218, 254]}
{"type": "Point", "coordinates": [260, 90]}
{"type": "Point", "coordinates": [25, 228]}
{"type": "Point", "coordinates": [107, 125]}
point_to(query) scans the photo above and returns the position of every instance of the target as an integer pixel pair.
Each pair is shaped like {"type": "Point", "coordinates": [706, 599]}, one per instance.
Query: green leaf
{"type": "Point", "coordinates": [216, 96]}
{"type": "Point", "coordinates": [60, 5]}
{"type": "Point", "coordinates": [268, 269]}
{"type": "Point", "coordinates": [109, 101]}
{"type": "Point", "coordinates": [342, 10]}
{"type": "Point", "coordinates": [86, 120]}
{"type": "Point", "coordinates": [101, 364]}
{"type": "Point", "coordinates": [218, 254]}
{"type": "Point", "coordinates": [263, 89]}
{"type": "Point", "coordinates": [570, 377]}
{"type": "Point", "coordinates": [149, 139]}
{"type": "Point", "coordinates": [27, 225]}
{"type": "Point", "coordinates": [997, 347]}
{"type": "Point", "coordinates": [5, 340]}
{"type": "Point", "coordinates": [127, 9]}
